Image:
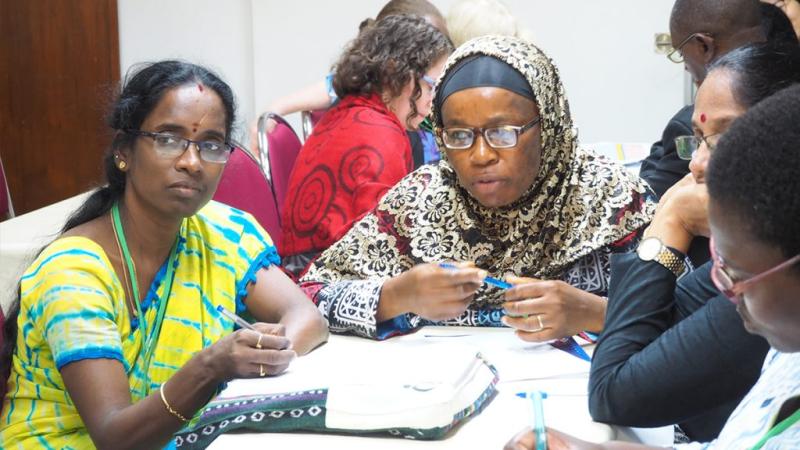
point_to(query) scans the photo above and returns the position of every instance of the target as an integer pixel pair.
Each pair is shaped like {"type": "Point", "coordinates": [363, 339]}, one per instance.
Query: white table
{"type": "Point", "coordinates": [522, 367]}
{"type": "Point", "coordinates": [23, 236]}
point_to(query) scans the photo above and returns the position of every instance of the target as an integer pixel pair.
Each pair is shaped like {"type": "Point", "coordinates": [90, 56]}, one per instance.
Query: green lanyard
{"type": "Point", "coordinates": [778, 429]}
{"type": "Point", "coordinates": [148, 339]}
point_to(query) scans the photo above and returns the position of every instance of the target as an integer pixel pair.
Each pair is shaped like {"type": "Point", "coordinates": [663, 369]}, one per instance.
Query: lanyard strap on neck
{"type": "Point", "coordinates": [778, 429]}
{"type": "Point", "coordinates": [126, 255]}
{"type": "Point", "coordinates": [150, 338]}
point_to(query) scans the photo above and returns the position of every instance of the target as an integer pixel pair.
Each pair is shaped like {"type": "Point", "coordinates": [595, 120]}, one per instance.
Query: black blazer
{"type": "Point", "coordinates": [670, 352]}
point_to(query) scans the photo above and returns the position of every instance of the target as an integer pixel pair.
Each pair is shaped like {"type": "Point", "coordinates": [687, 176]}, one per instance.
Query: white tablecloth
{"type": "Point", "coordinates": [521, 367]}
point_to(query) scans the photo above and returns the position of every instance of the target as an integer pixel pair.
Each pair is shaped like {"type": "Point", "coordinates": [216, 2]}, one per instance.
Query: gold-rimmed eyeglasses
{"type": "Point", "coordinates": [676, 55]}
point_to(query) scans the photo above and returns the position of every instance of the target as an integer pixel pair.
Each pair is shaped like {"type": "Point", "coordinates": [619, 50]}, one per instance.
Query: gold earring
{"type": "Point", "coordinates": [122, 165]}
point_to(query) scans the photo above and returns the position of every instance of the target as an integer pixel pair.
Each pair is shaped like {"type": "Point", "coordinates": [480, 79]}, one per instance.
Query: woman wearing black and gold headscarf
{"type": "Point", "coordinates": [513, 194]}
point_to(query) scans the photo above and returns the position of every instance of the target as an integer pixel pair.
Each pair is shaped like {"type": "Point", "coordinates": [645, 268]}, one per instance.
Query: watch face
{"type": "Point", "coordinates": [648, 249]}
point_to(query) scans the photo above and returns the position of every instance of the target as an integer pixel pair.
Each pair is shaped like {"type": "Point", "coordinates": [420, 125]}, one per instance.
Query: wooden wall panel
{"type": "Point", "coordinates": [59, 65]}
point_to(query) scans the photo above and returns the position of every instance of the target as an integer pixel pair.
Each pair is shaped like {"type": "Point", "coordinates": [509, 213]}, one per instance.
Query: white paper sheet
{"type": "Point", "coordinates": [513, 358]}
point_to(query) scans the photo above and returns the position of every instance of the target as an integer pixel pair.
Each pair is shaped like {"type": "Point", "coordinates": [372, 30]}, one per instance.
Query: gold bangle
{"type": "Point", "coordinates": [169, 408]}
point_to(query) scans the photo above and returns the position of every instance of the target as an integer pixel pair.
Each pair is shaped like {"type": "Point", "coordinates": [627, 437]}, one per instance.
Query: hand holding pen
{"type": "Point", "coordinates": [255, 350]}
{"type": "Point", "coordinates": [528, 439]}
{"type": "Point", "coordinates": [492, 281]}
{"type": "Point", "coordinates": [431, 291]}
{"type": "Point", "coordinates": [538, 437]}
{"type": "Point", "coordinates": [537, 418]}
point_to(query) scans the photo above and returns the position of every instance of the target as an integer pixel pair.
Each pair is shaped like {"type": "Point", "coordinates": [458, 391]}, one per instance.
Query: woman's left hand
{"type": "Point", "coordinates": [547, 310]}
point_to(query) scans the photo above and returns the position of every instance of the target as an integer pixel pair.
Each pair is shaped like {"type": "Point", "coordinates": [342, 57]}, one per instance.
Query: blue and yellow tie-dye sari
{"type": "Point", "coordinates": [73, 307]}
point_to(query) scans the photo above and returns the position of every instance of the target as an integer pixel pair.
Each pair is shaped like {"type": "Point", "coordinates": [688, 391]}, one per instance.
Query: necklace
{"type": "Point", "coordinates": [149, 333]}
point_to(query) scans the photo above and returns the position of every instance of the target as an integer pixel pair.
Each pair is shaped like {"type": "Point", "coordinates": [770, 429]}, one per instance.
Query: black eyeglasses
{"type": "Point", "coordinates": [504, 136]}
{"type": "Point", "coordinates": [170, 146]}
{"type": "Point", "coordinates": [686, 146]}
{"type": "Point", "coordinates": [676, 55]}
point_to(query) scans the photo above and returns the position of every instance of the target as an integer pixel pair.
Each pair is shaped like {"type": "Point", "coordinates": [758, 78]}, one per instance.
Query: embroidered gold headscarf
{"type": "Point", "coordinates": [578, 203]}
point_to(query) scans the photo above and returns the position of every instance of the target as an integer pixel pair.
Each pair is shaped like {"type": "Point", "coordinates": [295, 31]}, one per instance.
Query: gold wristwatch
{"type": "Point", "coordinates": [652, 249]}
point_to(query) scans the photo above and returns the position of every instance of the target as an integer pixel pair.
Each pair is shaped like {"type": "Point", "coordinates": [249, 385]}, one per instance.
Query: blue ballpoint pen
{"type": "Point", "coordinates": [570, 345]}
{"type": "Point", "coordinates": [488, 280]}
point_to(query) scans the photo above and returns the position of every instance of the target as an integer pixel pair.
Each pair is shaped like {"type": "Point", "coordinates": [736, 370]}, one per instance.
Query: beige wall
{"type": "Point", "coordinates": [214, 33]}
{"type": "Point", "coordinates": [619, 89]}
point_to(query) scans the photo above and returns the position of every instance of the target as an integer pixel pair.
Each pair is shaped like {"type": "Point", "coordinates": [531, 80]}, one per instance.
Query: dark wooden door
{"type": "Point", "coordinates": [59, 65]}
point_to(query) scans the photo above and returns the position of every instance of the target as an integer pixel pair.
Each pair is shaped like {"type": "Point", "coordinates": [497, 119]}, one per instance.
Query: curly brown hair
{"type": "Point", "coordinates": [386, 56]}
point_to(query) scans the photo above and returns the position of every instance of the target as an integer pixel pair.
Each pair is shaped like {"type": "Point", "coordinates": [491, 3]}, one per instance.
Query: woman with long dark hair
{"type": "Point", "coordinates": [115, 339]}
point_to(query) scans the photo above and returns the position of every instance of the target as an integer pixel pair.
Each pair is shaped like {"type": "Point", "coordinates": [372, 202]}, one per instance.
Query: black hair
{"type": "Point", "coordinates": [385, 56]}
{"type": "Point", "coordinates": [760, 70]}
{"type": "Point", "coordinates": [776, 25]}
{"type": "Point", "coordinates": [141, 92]}
{"type": "Point", "coordinates": [754, 170]}
{"type": "Point", "coordinates": [143, 88]}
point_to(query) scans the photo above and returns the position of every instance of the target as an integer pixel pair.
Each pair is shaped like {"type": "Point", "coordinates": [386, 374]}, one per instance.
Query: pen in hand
{"type": "Point", "coordinates": [488, 280]}
{"type": "Point", "coordinates": [236, 319]}
{"type": "Point", "coordinates": [537, 398]}
{"type": "Point", "coordinates": [239, 321]}
{"type": "Point", "coordinates": [539, 429]}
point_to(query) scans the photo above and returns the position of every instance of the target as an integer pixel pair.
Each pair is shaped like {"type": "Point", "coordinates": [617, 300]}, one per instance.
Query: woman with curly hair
{"type": "Point", "coordinates": [320, 95]}
{"type": "Point", "coordinates": [360, 148]}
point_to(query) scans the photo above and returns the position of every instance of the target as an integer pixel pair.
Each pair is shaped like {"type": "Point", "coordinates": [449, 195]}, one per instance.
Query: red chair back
{"type": "Point", "coordinates": [283, 146]}
{"type": "Point", "coordinates": [244, 186]}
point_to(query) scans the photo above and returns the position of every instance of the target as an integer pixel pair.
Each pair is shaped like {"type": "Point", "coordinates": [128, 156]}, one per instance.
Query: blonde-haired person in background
{"type": "Point", "coordinates": [468, 19]}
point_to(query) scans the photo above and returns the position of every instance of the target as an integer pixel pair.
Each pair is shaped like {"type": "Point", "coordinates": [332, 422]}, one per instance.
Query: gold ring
{"type": "Point", "coordinates": [541, 324]}
{"type": "Point", "coordinates": [261, 370]}
{"type": "Point", "coordinates": [258, 343]}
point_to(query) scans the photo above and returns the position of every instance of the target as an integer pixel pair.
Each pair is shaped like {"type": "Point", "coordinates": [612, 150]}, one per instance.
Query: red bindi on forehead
{"type": "Point", "coordinates": [703, 118]}
{"type": "Point", "coordinates": [199, 87]}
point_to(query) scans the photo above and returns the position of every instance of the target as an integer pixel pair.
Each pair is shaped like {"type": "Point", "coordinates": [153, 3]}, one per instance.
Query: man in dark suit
{"type": "Point", "coordinates": [702, 31]}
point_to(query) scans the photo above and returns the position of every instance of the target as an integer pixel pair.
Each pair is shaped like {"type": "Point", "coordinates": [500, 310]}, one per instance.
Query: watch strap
{"type": "Point", "coordinates": [669, 258]}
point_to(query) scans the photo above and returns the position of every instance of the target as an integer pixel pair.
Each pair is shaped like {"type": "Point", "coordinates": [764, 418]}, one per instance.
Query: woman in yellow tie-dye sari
{"type": "Point", "coordinates": [116, 339]}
